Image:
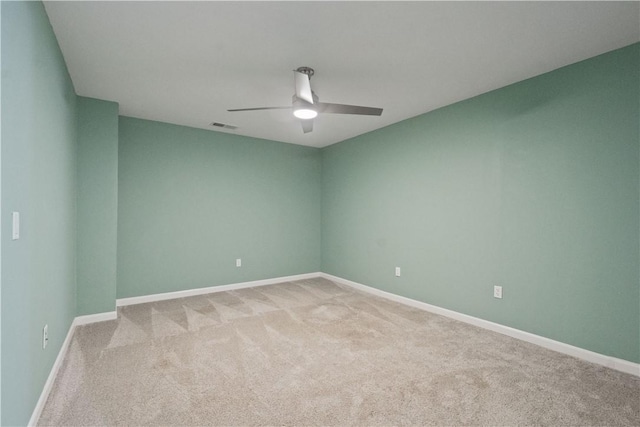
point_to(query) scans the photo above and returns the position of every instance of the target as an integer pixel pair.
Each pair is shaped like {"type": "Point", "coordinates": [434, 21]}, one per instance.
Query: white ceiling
{"type": "Point", "coordinates": [188, 62]}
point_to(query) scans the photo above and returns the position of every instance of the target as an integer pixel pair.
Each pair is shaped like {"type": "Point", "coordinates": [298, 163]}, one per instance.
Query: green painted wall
{"type": "Point", "coordinates": [1, 216]}
{"type": "Point", "coordinates": [534, 187]}
{"type": "Point", "coordinates": [39, 181]}
{"type": "Point", "coordinates": [191, 201]}
{"type": "Point", "coordinates": [97, 205]}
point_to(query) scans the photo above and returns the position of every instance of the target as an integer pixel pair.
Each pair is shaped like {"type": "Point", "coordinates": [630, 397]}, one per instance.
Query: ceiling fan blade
{"type": "Point", "coordinates": [303, 86]}
{"type": "Point", "coordinates": [307, 125]}
{"type": "Point", "coordinates": [324, 107]}
{"type": "Point", "coordinates": [261, 108]}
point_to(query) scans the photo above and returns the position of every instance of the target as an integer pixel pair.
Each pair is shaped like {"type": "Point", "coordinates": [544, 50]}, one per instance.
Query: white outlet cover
{"type": "Point", "coordinates": [15, 229]}
{"type": "Point", "coordinates": [497, 291]}
{"type": "Point", "coordinates": [45, 336]}
{"type": "Point", "coordinates": [238, 262]}
{"type": "Point", "coordinates": [398, 272]}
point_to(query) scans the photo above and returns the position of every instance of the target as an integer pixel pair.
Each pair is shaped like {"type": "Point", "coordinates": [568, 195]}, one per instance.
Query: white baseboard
{"type": "Point", "coordinates": [37, 411]}
{"type": "Point", "coordinates": [201, 291]}
{"type": "Point", "coordinates": [590, 356]}
{"type": "Point", "coordinates": [48, 385]}
{"type": "Point", "coordinates": [93, 318]}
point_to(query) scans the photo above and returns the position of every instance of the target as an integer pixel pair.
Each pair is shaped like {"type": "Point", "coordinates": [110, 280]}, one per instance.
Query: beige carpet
{"type": "Point", "coordinates": [315, 353]}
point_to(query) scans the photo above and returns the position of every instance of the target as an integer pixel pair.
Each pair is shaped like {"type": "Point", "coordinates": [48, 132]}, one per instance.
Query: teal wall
{"type": "Point", "coordinates": [97, 205]}
{"type": "Point", "coordinates": [191, 201]}
{"type": "Point", "coordinates": [534, 187]}
{"type": "Point", "coordinates": [39, 181]}
{"type": "Point", "coordinates": [1, 217]}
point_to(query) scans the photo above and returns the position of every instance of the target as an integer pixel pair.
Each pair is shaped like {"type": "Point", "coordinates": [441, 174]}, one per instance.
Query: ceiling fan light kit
{"type": "Point", "coordinates": [303, 109]}
{"type": "Point", "coordinates": [305, 113]}
{"type": "Point", "coordinates": [305, 105]}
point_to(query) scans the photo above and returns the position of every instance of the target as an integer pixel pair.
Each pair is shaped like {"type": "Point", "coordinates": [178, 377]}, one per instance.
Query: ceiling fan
{"type": "Point", "coordinates": [306, 106]}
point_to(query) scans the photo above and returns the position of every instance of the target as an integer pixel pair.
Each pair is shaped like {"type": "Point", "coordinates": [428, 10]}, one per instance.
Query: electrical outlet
{"type": "Point", "coordinates": [238, 262]}
{"type": "Point", "coordinates": [45, 336]}
{"type": "Point", "coordinates": [497, 291]}
{"type": "Point", "coordinates": [15, 225]}
{"type": "Point", "coordinates": [397, 271]}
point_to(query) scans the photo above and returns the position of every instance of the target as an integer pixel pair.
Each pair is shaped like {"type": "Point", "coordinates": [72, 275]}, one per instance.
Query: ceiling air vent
{"type": "Point", "coordinates": [223, 125]}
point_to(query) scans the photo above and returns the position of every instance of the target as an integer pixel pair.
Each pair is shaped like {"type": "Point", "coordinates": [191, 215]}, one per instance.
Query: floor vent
{"type": "Point", "coordinates": [223, 125]}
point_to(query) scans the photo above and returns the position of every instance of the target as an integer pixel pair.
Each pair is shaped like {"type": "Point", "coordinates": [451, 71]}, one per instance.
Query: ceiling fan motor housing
{"type": "Point", "coordinates": [303, 109]}
{"type": "Point", "coordinates": [301, 103]}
